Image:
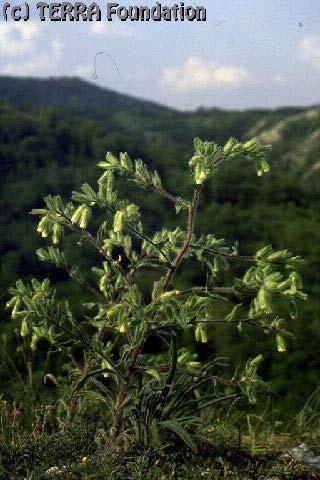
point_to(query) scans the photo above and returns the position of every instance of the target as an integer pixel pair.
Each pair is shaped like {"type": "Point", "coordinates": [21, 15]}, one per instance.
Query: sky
{"type": "Point", "coordinates": [248, 54]}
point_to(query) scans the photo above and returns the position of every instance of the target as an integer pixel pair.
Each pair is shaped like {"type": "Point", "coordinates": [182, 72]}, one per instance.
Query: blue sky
{"type": "Point", "coordinates": [249, 53]}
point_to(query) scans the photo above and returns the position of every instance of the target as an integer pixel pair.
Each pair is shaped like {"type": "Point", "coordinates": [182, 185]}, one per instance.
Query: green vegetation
{"type": "Point", "coordinates": [152, 391]}
{"type": "Point", "coordinates": [45, 150]}
{"type": "Point", "coordinates": [52, 135]}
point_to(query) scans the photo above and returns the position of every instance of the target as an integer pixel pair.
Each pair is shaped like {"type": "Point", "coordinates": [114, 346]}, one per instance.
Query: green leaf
{"type": "Point", "coordinates": [292, 309]}
{"type": "Point", "coordinates": [155, 433]}
{"type": "Point", "coordinates": [154, 374]}
{"type": "Point", "coordinates": [88, 191]}
{"type": "Point", "coordinates": [233, 314]}
{"type": "Point", "coordinates": [86, 377]}
{"type": "Point", "coordinates": [175, 427]}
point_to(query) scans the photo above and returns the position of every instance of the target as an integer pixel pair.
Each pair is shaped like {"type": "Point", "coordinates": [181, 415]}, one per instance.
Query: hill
{"type": "Point", "coordinates": [149, 122]}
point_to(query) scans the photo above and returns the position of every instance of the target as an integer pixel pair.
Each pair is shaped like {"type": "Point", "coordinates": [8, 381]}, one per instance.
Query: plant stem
{"type": "Point", "coordinates": [83, 339]}
{"type": "Point", "coordinates": [247, 321]}
{"type": "Point", "coordinates": [122, 395]}
{"type": "Point", "coordinates": [231, 256]}
{"type": "Point", "coordinates": [185, 246]}
{"type": "Point", "coordinates": [218, 290]}
{"type": "Point", "coordinates": [168, 196]}
{"type": "Point", "coordinates": [85, 284]}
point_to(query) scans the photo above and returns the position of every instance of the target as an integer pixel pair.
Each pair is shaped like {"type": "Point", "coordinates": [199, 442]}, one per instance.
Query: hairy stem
{"type": "Point", "coordinates": [185, 246]}
{"type": "Point", "coordinates": [137, 350]}
{"type": "Point", "coordinates": [168, 196]}
{"type": "Point", "coordinates": [231, 256]}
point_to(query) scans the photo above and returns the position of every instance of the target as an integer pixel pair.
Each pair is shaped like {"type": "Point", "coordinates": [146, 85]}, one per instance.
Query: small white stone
{"type": "Point", "coordinates": [305, 455]}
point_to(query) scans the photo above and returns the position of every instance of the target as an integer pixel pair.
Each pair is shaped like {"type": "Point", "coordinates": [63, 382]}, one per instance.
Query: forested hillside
{"type": "Point", "coordinates": [54, 132]}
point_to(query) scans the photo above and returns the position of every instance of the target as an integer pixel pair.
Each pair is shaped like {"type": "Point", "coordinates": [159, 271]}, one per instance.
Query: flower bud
{"type": "Point", "coordinates": [200, 172]}
{"type": "Point", "coordinates": [264, 301]}
{"type": "Point", "coordinates": [24, 328]}
{"type": "Point", "coordinates": [41, 224]}
{"type": "Point", "coordinates": [281, 344]}
{"type": "Point", "coordinates": [200, 333]}
{"type": "Point", "coordinates": [193, 364]}
{"type": "Point", "coordinates": [119, 221]}
{"type": "Point", "coordinates": [57, 233]}
{"type": "Point", "coordinates": [103, 282]}
{"type": "Point", "coordinates": [16, 307]}
{"type": "Point", "coordinates": [168, 295]}
{"type": "Point", "coordinates": [85, 217]}
{"type": "Point", "coordinates": [194, 160]}
{"type": "Point", "coordinates": [123, 326]}
{"type": "Point", "coordinates": [77, 214]}
{"type": "Point", "coordinates": [262, 166]}
{"type": "Point", "coordinates": [11, 302]}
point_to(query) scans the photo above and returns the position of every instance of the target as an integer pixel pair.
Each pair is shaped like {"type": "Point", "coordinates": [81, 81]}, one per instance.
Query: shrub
{"type": "Point", "coordinates": [154, 395]}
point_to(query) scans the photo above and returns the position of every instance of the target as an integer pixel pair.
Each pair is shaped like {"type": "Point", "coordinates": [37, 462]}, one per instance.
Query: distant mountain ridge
{"type": "Point", "coordinates": [58, 91]}
{"type": "Point", "coordinates": [52, 91]}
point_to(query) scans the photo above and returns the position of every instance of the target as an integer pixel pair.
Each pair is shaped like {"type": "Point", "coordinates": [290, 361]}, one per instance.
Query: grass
{"type": "Point", "coordinates": [80, 452]}
{"type": "Point", "coordinates": [42, 443]}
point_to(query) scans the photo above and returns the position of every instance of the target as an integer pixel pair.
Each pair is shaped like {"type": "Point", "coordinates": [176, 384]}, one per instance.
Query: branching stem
{"type": "Point", "coordinates": [185, 246]}
{"type": "Point", "coordinates": [137, 350]}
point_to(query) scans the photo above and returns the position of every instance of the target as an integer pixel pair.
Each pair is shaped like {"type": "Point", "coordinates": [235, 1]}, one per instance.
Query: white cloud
{"type": "Point", "coordinates": [197, 75]}
{"type": "Point", "coordinates": [18, 38]}
{"type": "Point", "coordinates": [113, 30]}
{"type": "Point", "coordinates": [36, 66]}
{"type": "Point", "coordinates": [33, 62]}
{"type": "Point", "coordinates": [310, 49]}
{"type": "Point", "coordinates": [29, 49]}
